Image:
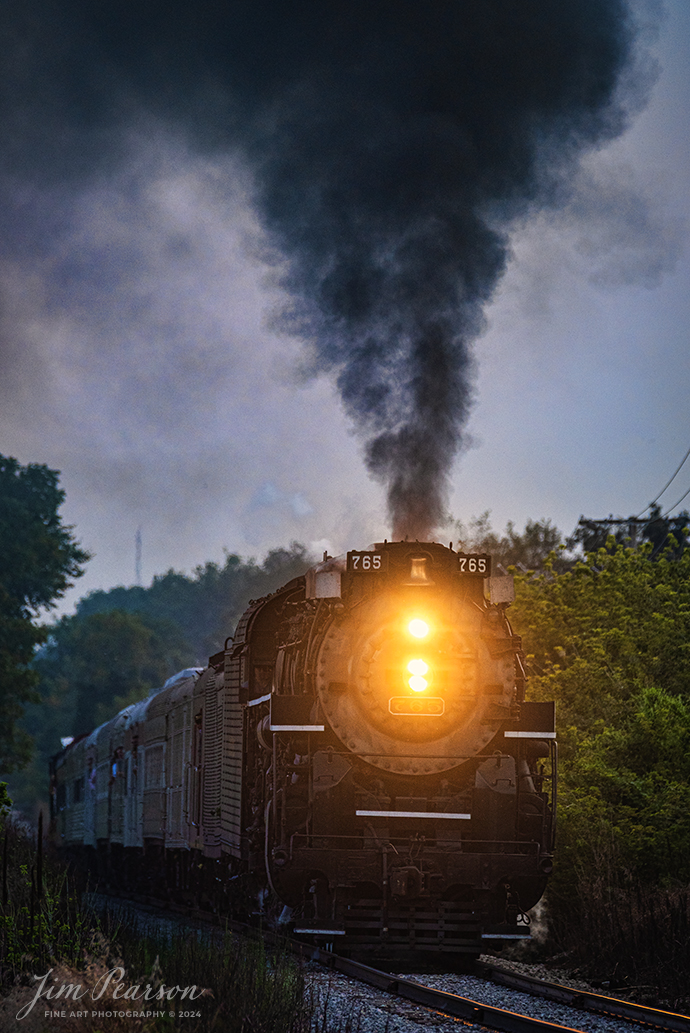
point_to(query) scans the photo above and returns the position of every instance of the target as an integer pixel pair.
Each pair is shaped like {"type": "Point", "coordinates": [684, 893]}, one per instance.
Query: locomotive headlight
{"type": "Point", "coordinates": [418, 628]}
{"type": "Point", "coordinates": [418, 668]}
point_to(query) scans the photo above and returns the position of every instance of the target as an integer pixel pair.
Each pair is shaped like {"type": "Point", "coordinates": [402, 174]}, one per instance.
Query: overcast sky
{"type": "Point", "coordinates": [139, 360]}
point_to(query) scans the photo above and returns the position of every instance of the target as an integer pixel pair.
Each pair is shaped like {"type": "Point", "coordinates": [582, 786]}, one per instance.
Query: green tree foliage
{"type": "Point", "coordinates": [609, 639]}
{"type": "Point", "coordinates": [90, 668]}
{"type": "Point", "coordinates": [636, 776]}
{"type": "Point", "coordinates": [39, 558]}
{"type": "Point", "coordinates": [207, 606]}
{"type": "Point", "coordinates": [5, 801]}
{"type": "Point", "coordinates": [101, 663]}
{"type": "Point", "coordinates": [612, 625]}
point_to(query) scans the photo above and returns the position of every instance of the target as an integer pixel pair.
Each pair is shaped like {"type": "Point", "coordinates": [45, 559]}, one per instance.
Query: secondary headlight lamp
{"type": "Point", "coordinates": [417, 669]}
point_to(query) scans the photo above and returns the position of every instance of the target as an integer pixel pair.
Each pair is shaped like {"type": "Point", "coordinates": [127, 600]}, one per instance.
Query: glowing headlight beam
{"type": "Point", "coordinates": [418, 628]}
{"type": "Point", "coordinates": [418, 668]}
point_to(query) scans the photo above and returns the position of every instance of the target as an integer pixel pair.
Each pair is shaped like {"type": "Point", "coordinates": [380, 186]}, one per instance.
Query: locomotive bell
{"type": "Point", "coordinates": [418, 572]}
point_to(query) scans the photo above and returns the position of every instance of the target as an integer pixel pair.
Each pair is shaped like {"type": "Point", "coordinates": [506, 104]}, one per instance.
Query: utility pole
{"type": "Point", "coordinates": [661, 531]}
{"type": "Point", "coordinates": [137, 557]}
{"type": "Point", "coordinates": [633, 524]}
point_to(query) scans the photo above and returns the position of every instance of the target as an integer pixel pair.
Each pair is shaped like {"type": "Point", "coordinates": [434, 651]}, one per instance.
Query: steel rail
{"type": "Point", "coordinates": [438, 1000]}
{"type": "Point", "coordinates": [586, 999]}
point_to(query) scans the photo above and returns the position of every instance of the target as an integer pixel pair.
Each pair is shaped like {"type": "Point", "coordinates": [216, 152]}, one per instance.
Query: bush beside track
{"type": "Point", "coordinates": [240, 986]}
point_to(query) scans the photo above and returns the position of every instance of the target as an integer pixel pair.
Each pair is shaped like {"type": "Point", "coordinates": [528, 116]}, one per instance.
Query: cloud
{"type": "Point", "coordinates": [377, 138]}
{"type": "Point", "coordinates": [171, 176]}
{"type": "Point", "coordinates": [136, 359]}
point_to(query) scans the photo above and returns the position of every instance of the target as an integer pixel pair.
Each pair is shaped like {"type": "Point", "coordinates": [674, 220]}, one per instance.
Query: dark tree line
{"type": "Point", "coordinates": [206, 606]}
{"type": "Point", "coordinates": [39, 559]}
{"type": "Point", "coordinates": [525, 550]}
{"type": "Point", "coordinates": [123, 643]}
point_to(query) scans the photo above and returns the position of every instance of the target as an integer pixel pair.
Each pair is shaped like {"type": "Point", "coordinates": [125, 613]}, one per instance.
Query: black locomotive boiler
{"type": "Point", "coordinates": [361, 752]}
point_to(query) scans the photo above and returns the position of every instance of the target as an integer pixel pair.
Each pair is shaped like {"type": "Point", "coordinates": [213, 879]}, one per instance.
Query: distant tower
{"type": "Point", "coordinates": [137, 557]}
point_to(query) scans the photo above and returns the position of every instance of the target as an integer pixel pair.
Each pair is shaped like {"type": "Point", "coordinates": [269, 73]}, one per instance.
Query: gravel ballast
{"type": "Point", "coordinates": [348, 1006]}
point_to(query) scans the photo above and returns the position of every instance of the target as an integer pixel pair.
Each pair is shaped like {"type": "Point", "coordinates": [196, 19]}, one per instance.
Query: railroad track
{"type": "Point", "coordinates": [461, 1007]}
{"type": "Point", "coordinates": [455, 1005]}
{"type": "Point", "coordinates": [586, 1000]}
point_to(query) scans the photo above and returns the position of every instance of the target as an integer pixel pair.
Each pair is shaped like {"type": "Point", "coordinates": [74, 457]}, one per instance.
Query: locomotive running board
{"type": "Point", "coordinates": [320, 932]}
{"type": "Point", "coordinates": [411, 814]}
{"type": "Point", "coordinates": [297, 728]}
{"type": "Point", "coordinates": [529, 735]}
{"type": "Point", "coordinates": [506, 936]}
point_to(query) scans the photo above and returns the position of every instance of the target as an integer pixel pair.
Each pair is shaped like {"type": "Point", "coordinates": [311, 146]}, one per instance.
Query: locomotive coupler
{"type": "Point", "coordinates": [407, 882]}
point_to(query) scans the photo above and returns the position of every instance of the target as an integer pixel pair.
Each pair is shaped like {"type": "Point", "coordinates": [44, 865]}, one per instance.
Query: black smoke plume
{"type": "Point", "coordinates": [392, 143]}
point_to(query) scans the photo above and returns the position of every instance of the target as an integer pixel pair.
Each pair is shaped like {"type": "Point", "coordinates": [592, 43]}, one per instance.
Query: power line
{"type": "Point", "coordinates": [668, 483]}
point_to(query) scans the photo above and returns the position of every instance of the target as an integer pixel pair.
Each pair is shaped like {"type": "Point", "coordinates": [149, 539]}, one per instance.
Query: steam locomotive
{"type": "Point", "coordinates": [360, 755]}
